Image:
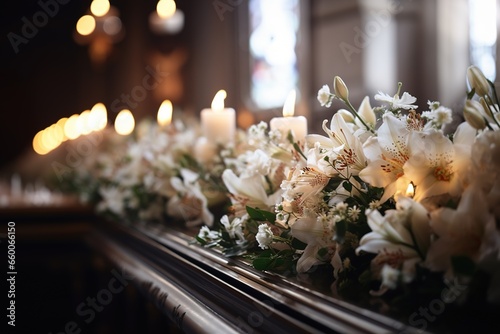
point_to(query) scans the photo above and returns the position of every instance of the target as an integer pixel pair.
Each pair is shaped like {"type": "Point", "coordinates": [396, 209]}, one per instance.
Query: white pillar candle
{"type": "Point", "coordinates": [218, 123]}
{"type": "Point", "coordinates": [296, 124]}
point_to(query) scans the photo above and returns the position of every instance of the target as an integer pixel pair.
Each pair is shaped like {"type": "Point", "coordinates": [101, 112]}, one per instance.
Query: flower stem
{"type": "Point", "coordinates": [348, 103]}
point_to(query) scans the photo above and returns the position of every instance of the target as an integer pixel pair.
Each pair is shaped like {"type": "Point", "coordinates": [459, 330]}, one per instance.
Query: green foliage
{"type": "Point", "coordinates": [261, 215]}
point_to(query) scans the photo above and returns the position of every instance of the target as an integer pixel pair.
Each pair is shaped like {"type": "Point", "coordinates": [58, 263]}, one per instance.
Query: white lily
{"type": "Point", "coordinates": [387, 153]}
{"type": "Point", "coordinates": [249, 191]}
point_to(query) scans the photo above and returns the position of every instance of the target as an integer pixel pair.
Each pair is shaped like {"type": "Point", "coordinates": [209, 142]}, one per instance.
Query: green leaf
{"type": "Point", "coordinates": [347, 186]}
{"type": "Point", "coordinates": [261, 215]}
{"type": "Point", "coordinates": [463, 265]}
{"type": "Point", "coordinates": [200, 240]}
{"type": "Point", "coordinates": [262, 263]}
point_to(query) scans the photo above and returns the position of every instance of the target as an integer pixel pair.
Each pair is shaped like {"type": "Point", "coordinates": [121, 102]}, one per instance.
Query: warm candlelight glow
{"type": "Point", "coordinates": [84, 123]}
{"type": "Point", "coordinates": [289, 106]}
{"type": "Point", "coordinates": [166, 8]}
{"type": "Point", "coordinates": [71, 130]}
{"type": "Point", "coordinates": [165, 113]}
{"type": "Point", "coordinates": [85, 25]}
{"type": "Point", "coordinates": [37, 144]}
{"type": "Point", "coordinates": [99, 7]}
{"type": "Point", "coordinates": [98, 118]}
{"type": "Point", "coordinates": [218, 101]}
{"type": "Point", "coordinates": [60, 123]}
{"type": "Point", "coordinates": [410, 190]}
{"type": "Point", "coordinates": [124, 122]}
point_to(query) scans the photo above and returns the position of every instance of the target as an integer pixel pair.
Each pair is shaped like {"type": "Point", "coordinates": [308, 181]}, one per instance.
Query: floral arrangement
{"type": "Point", "coordinates": [155, 174]}
{"type": "Point", "coordinates": [385, 197]}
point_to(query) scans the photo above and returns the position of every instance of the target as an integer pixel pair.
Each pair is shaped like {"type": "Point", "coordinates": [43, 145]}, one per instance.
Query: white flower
{"type": "Point", "coordinates": [467, 231]}
{"type": "Point", "coordinates": [303, 183]}
{"type": "Point", "coordinates": [437, 115]}
{"type": "Point", "coordinates": [207, 234]}
{"type": "Point", "coordinates": [256, 162]}
{"type": "Point", "coordinates": [189, 203]}
{"type": "Point", "coordinates": [365, 111]}
{"type": "Point", "coordinates": [387, 153]}
{"type": "Point", "coordinates": [264, 236]}
{"type": "Point", "coordinates": [343, 148]}
{"type": "Point", "coordinates": [249, 191]}
{"type": "Point", "coordinates": [401, 238]}
{"type": "Point", "coordinates": [324, 96]}
{"type": "Point", "coordinates": [438, 166]}
{"type": "Point", "coordinates": [233, 228]}
{"type": "Point", "coordinates": [113, 200]}
{"type": "Point", "coordinates": [317, 234]}
{"type": "Point", "coordinates": [390, 277]}
{"type": "Point", "coordinates": [405, 102]}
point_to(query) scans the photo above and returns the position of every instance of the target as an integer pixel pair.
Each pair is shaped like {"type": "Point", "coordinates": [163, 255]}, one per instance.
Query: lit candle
{"type": "Point", "coordinates": [410, 190]}
{"type": "Point", "coordinates": [124, 122]}
{"type": "Point", "coordinates": [218, 123]}
{"type": "Point", "coordinates": [165, 113]}
{"type": "Point", "coordinates": [296, 124]}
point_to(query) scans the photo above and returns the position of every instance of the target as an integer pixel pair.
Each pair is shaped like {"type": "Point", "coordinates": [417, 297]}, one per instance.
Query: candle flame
{"type": "Point", "coordinates": [289, 106]}
{"type": "Point", "coordinates": [165, 113]}
{"type": "Point", "coordinates": [410, 190]}
{"type": "Point", "coordinates": [218, 101]}
{"type": "Point", "coordinates": [166, 8]}
{"type": "Point", "coordinates": [124, 122]}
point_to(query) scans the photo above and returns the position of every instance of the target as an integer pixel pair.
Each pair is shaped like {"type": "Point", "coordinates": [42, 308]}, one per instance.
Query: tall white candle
{"type": "Point", "coordinates": [287, 123]}
{"type": "Point", "coordinates": [219, 123]}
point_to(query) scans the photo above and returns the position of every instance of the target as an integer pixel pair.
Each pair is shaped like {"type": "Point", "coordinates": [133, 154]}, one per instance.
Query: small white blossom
{"type": "Point", "coordinates": [207, 234]}
{"type": "Point", "coordinates": [233, 228]}
{"type": "Point", "coordinates": [390, 277]}
{"type": "Point", "coordinates": [264, 237]}
{"type": "Point", "coordinates": [405, 102]}
{"type": "Point", "coordinates": [324, 96]}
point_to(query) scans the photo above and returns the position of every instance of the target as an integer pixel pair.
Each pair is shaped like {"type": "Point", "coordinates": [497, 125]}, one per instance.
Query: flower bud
{"type": "Point", "coordinates": [478, 81]}
{"type": "Point", "coordinates": [365, 111]}
{"type": "Point", "coordinates": [472, 114]}
{"type": "Point", "coordinates": [346, 115]}
{"type": "Point", "coordinates": [486, 111]}
{"type": "Point", "coordinates": [340, 88]}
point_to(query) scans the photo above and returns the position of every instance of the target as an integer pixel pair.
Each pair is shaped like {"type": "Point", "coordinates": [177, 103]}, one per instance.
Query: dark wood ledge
{"type": "Point", "coordinates": [204, 292]}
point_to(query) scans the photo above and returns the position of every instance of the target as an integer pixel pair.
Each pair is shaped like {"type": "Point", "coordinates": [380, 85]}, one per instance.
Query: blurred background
{"type": "Point", "coordinates": [127, 56]}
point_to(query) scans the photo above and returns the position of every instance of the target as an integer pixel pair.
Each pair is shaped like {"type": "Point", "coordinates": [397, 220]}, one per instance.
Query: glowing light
{"type": "Point", "coordinates": [218, 101]}
{"type": "Point", "coordinates": [165, 113]}
{"type": "Point", "coordinates": [124, 122]}
{"type": "Point", "coordinates": [166, 8]}
{"type": "Point", "coordinates": [410, 190]}
{"type": "Point", "coordinates": [71, 130]}
{"type": "Point", "coordinates": [60, 124]}
{"type": "Point", "coordinates": [99, 7]}
{"type": "Point", "coordinates": [85, 25]}
{"type": "Point", "coordinates": [48, 141]}
{"type": "Point", "coordinates": [83, 123]}
{"type": "Point", "coordinates": [289, 106]}
{"type": "Point", "coordinates": [98, 118]}
{"type": "Point", "coordinates": [57, 132]}
{"type": "Point", "coordinates": [37, 144]}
